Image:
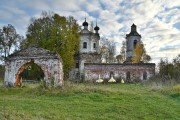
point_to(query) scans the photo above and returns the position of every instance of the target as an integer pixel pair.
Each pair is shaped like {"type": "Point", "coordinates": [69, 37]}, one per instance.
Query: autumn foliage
{"type": "Point", "coordinates": [56, 33]}
{"type": "Point", "coordinates": [139, 51]}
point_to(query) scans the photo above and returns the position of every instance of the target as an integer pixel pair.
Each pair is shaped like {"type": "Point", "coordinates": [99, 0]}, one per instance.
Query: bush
{"type": "Point", "coordinates": [160, 81]}
{"type": "Point", "coordinates": [176, 88]}
{"type": "Point", "coordinates": [43, 84]}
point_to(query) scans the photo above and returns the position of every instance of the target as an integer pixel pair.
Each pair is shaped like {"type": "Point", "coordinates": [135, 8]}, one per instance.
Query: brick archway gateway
{"type": "Point", "coordinates": [48, 61]}
{"type": "Point", "coordinates": [21, 69]}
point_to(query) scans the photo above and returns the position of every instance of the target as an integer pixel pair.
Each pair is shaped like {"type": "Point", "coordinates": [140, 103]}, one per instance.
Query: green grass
{"type": "Point", "coordinates": [90, 102]}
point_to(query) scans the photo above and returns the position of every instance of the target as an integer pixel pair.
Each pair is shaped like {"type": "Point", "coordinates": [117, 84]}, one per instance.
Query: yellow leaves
{"type": "Point", "coordinates": [139, 50]}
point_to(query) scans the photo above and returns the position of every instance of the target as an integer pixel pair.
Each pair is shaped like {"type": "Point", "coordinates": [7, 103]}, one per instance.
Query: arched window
{"type": "Point", "coordinates": [145, 75]}
{"type": "Point", "coordinates": [94, 45]}
{"type": "Point", "coordinates": [85, 45]}
{"type": "Point", "coordinates": [111, 74]}
{"type": "Point", "coordinates": [77, 65]}
{"type": "Point", "coordinates": [135, 43]}
{"type": "Point", "coordinates": [128, 76]}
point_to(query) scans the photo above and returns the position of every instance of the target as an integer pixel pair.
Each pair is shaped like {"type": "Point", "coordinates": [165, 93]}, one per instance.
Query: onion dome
{"type": "Point", "coordinates": [85, 23]}
{"type": "Point", "coordinates": [96, 28]}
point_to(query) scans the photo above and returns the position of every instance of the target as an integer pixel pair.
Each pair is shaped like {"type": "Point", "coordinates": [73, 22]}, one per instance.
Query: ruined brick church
{"type": "Point", "coordinates": [88, 61]}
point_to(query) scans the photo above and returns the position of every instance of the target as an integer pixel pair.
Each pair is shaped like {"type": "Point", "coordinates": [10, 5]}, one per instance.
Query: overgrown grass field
{"type": "Point", "coordinates": [90, 102]}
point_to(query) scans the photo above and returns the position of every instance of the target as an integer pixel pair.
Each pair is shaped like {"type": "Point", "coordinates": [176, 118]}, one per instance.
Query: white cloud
{"type": "Point", "coordinates": [155, 19]}
{"type": "Point", "coordinates": [171, 4]}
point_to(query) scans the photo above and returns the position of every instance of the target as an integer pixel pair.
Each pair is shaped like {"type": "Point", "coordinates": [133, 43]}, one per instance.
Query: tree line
{"type": "Point", "coordinates": [170, 70]}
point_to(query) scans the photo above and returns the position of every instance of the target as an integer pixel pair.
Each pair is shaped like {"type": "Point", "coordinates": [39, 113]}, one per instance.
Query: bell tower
{"type": "Point", "coordinates": [132, 39]}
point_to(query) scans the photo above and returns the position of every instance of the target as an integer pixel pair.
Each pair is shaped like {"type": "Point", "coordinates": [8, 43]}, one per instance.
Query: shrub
{"type": "Point", "coordinates": [43, 84]}
{"type": "Point", "coordinates": [160, 81]}
{"type": "Point", "coordinates": [176, 88]}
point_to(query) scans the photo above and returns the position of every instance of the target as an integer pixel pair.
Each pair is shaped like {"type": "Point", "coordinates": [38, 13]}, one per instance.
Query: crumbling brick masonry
{"type": "Point", "coordinates": [50, 63]}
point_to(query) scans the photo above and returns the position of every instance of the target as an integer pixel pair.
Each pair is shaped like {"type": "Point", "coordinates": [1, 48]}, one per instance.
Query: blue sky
{"type": "Point", "coordinates": [158, 21]}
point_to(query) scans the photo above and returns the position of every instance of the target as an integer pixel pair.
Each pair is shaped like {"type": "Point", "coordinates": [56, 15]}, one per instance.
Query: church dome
{"type": "Point", "coordinates": [85, 23]}
{"type": "Point", "coordinates": [96, 28]}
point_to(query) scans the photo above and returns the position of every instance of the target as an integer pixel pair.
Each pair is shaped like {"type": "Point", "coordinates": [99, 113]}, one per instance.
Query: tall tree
{"type": "Point", "coordinates": [140, 54]}
{"type": "Point", "coordinates": [166, 68]}
{"type": "Point", "coordinates": [108, 50]}
{"type": "Point", "coordinates": [146, 58]}
{"type": "Point", "coordinates": [119, 58]}
{"type": "Point", "coordinates": [170, 69]}
{"type": "Point", "coordinates": [9, 41]}
{"type": "Point", "coordinates": [56, 33]}
{"type": "Point", "coordinates": [176, 63]}
{"type": "Point", "coordinates": [139, 50]}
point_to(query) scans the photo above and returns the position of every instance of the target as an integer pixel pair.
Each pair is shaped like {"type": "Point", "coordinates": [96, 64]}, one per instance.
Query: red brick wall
{"type": "Point", "coordinates": [119, 71]}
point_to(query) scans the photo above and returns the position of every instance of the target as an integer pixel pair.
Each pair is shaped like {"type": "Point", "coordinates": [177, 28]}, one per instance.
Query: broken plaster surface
{"type": "Point", "coordinates": [50, 63]}
{"type": "Point", "coordinates": [119, 71]}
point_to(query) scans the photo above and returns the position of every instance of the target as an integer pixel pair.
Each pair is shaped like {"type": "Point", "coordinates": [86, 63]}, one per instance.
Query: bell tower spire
{"type": "Point", "coordinates": [133, 28]}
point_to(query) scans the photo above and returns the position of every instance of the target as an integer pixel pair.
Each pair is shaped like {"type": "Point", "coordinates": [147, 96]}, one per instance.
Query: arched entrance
{"type": "Point", "coordinates": [49, 62]}
{"type": "Point", "coordinates": [29, 71]}
{"type": "Point", "coordinates": [128, 76]}
{"type": "Point", "coordinates": [145, 75]}
{"type": "Point", "coordinates": [32, 73]}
